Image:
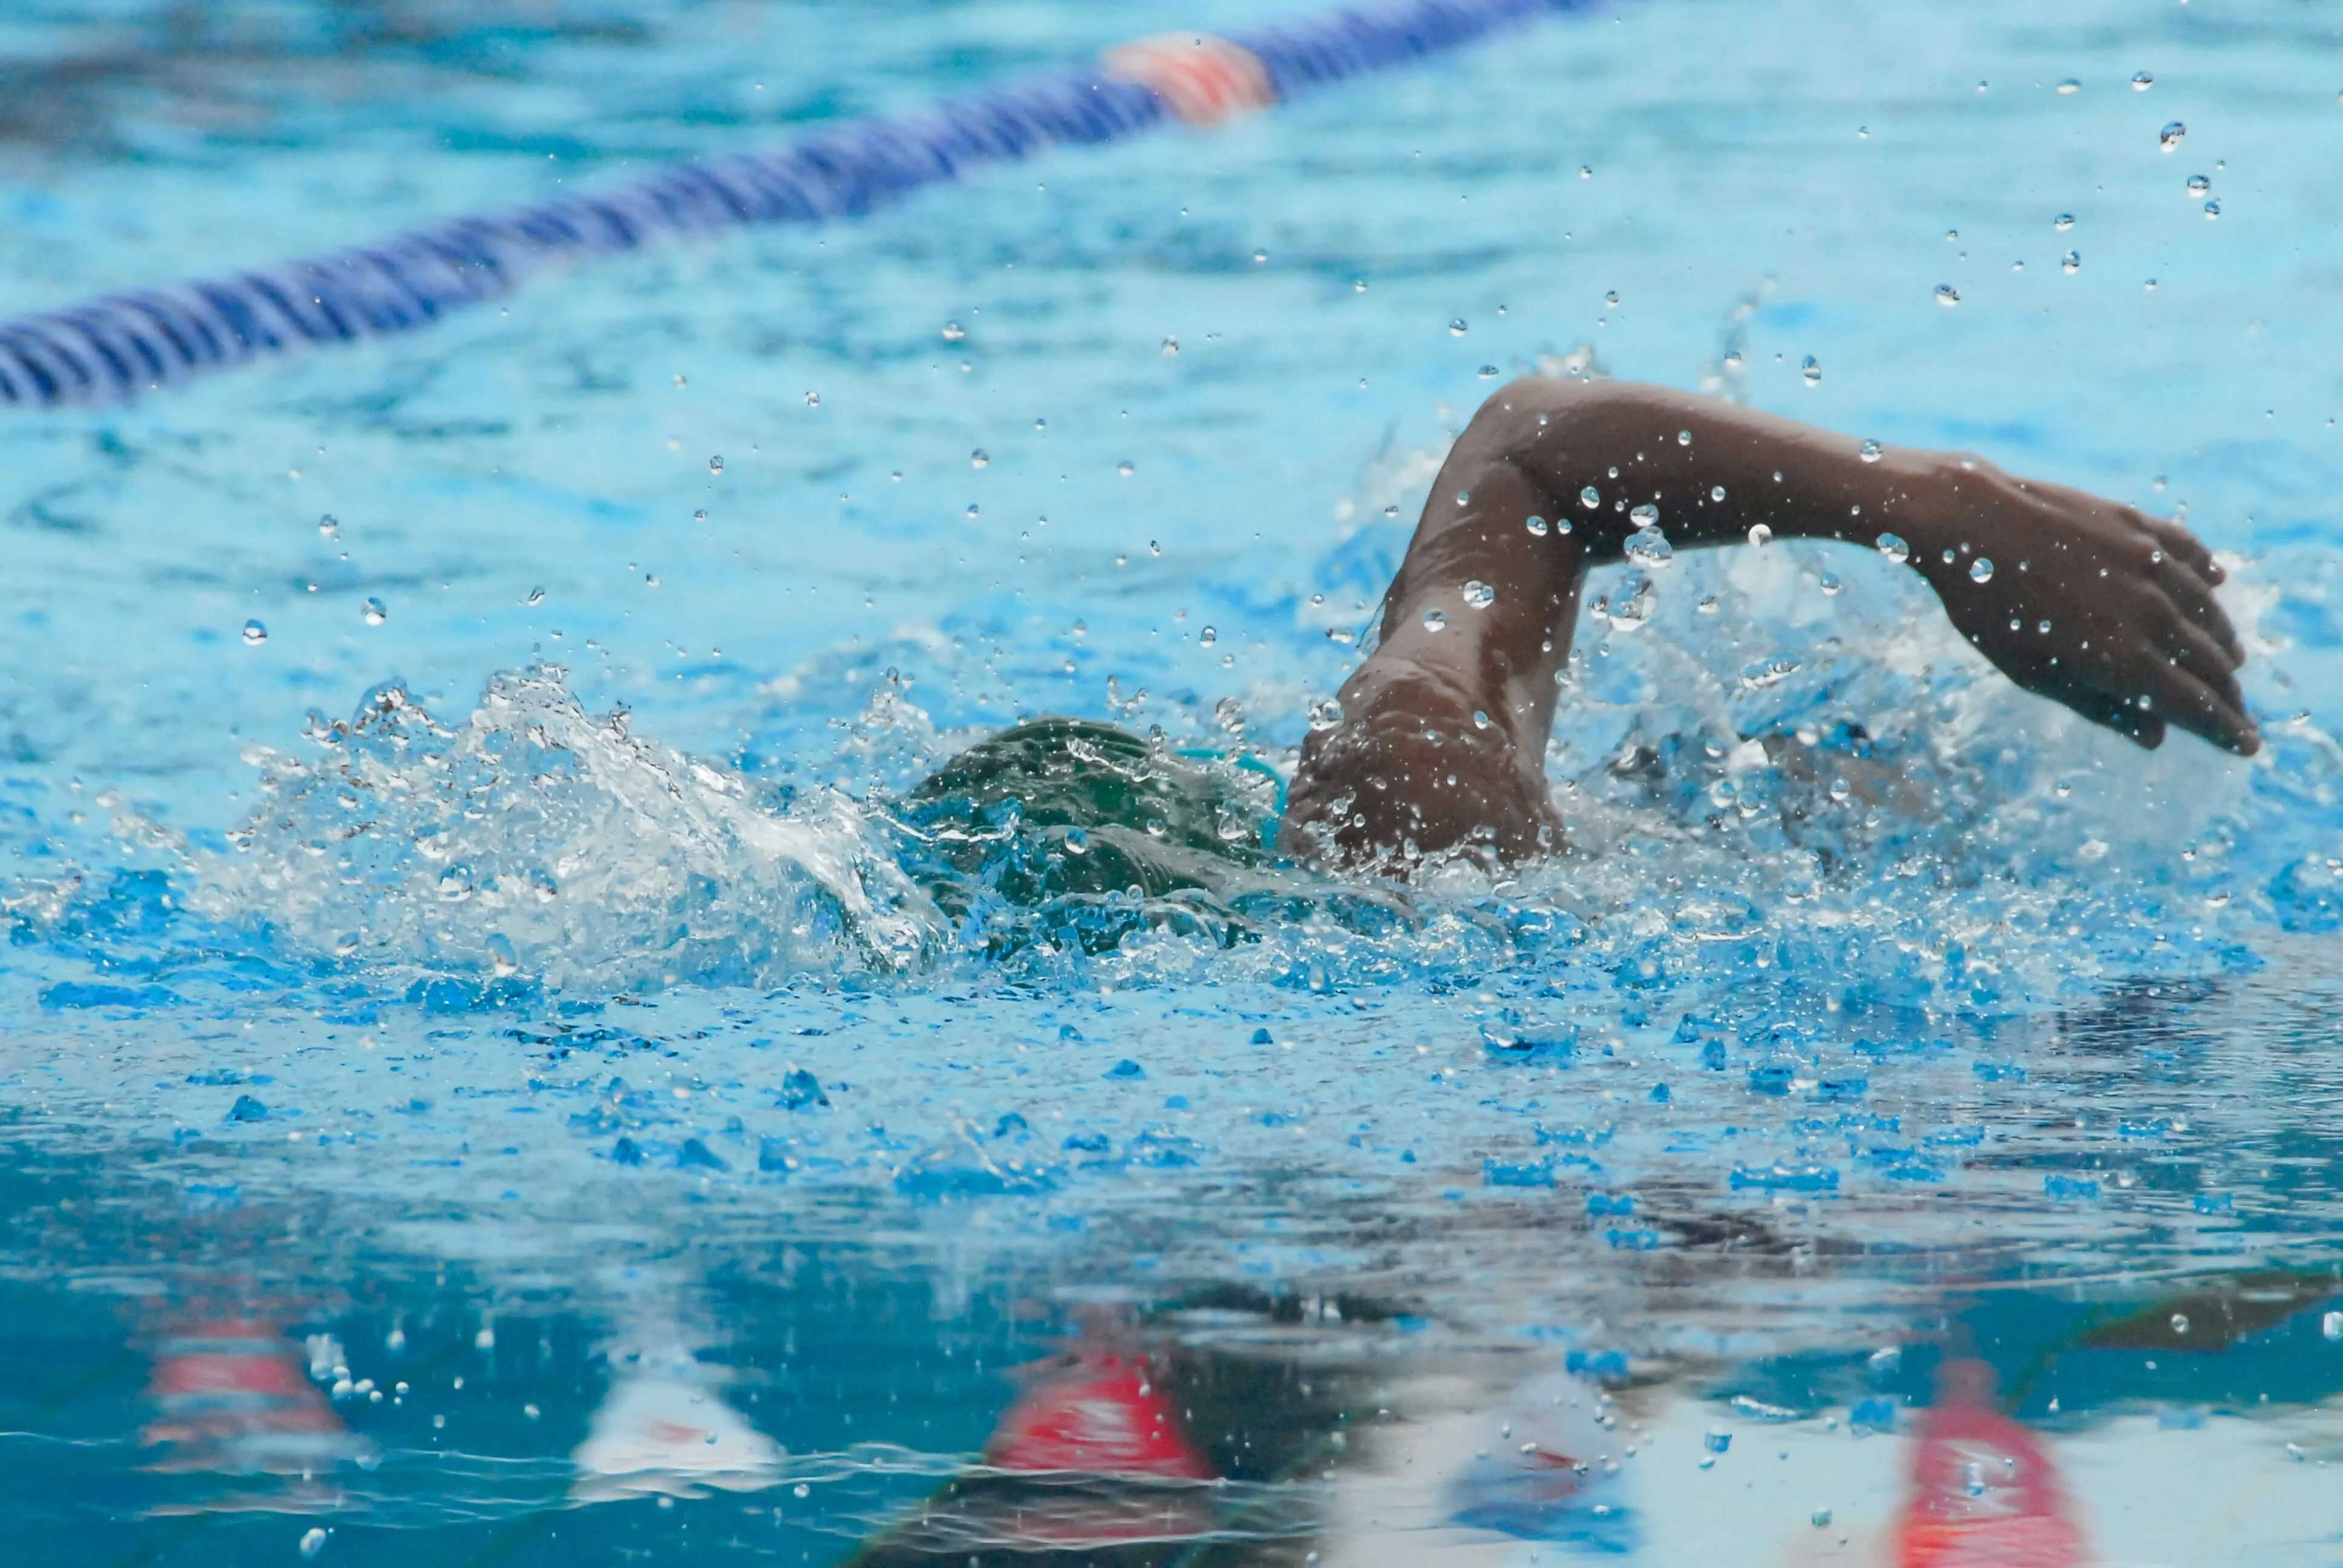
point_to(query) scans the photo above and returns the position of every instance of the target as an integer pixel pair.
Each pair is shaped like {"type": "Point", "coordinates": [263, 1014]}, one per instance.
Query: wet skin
{"type": "Point", "coordinates": [1442, 741]}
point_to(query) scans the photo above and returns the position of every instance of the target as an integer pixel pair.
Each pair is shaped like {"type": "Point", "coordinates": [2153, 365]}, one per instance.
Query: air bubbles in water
{"type": "Point", "coordinates": [373, 612]}
{"type": "Point", "coordinates": [254, 634]}
{"type": "Point", "coordinates": [1479, 595]}
{"type": "Point", "coordinates": [1893, 546]}
{"type": "Point", "coordinates": [312, 1542]}
{"type": "Point", "coordinates": [1981, 570]}
{"type": "Point", "coordinates": [2169, 138]}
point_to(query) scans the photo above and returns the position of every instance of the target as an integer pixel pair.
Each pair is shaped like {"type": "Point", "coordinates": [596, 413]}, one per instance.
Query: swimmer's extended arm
{"type": "Point", "coordinates": [1442, 741]}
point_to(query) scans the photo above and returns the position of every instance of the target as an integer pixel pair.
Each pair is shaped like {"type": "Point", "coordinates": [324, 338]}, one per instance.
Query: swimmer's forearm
{"type": "Point", "coordinates": [1590, 456]}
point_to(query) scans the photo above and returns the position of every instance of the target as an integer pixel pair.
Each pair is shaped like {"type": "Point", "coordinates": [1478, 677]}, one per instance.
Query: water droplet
{"type": "Point", "coordinates": [2141, 81]}
{"type": "Point", "coordinates": [456, 883]}
{"type": "Point", "coordinates": [1708, 605]}
{"type": "Point", "coordinates": [2070, 88]}
{"type": "Point", "coordinates": [1463, 498]}
{"type": "Point", "coordinates": [2212, 209]}
{"type": "Point", "coordinates": [1893, 546]}
{"type": "Point", "coordinates": [1326, 715]}
{"type": "Point", "coordinates": [2198, 185]}
{"type": "Point", "coordinates": [2071, 262]}
{"type": "Point", "coordinates": [1759, 535]}
{"type": "Point", "coordinates": [974, 511]}
{"type": "Point", "coordinates": [1716, 492]}
{"type": "Point", "coordinates": [1646, 515]}
{"type": "Point", "coordinates": [373, 612]}
{"type": "Point", "coordinates": [1586, 171]}
{"type": "Point", "coordinates": [1209, 635]}
{"type": "Point", "coordinates": [2331, 1325]}
{"type": "Point", "coordinates": [715, 464]}
{"type": "Point", "coordinates": [699, 516]}
{"type": "Point", "coordinates": [1457, 329]}
{"type": "Point", "coordinates": [980, 458]}
{"type": "Point", "coordinates": [1480, 719]}
{"type": "Point", "coordinates": [501, 958]}
{"type": "Point", "coordinates": [1830, 585]}
{"type": "Point", "coordinates": [1822, 1516]}
{"type": "Point", "coordinates": [1261, 255]}
{"type": "Point", "coordinates": [2180, 1322]}
{"type": "Point", "coordinates": [1488, 373]}
{"type": "Point", "coordinates": [954, 332]}
{"type": "Point", "coordinates": [312, 1542]}
{"type": "Point", "coordinates": [1536, 524]}
{"type": "Point", "coordinates": [1980, 570]}
{"type": "Point", "coordinates": [1717, 1440]}
{"type": "Point", "coordinates": [1648, 547]}
{"type": "Point", "coordinates": [813, 399]}
{"type": "Point", "coordinates": [254, 634]}
{"type": "Point", "coordinates": [1435, 620]}
{"type": "Point", "coordinates": [2063, 222]}
{"type": "Point", "coordinates": [328, 525]}
{"type": "Point", "coordinates": [1561, 525]}
{"type": "Point", "coordinates": [1479, 595]}
{"type": "Point", "coordinates": [1947, 295]}
{"type": "Point", "coordinates": [1590, 498]}
{"type": "Point", "coordinates": [2043, 628]}
{"type": "Point", "coordinates": [800, 1490]}
{"type": "Point", "coordinates": [1125, 469]}
{"type": "Point", "coordinates": [2170, 137]}
{"type": "Point", "coordinates": [536, 598]}
{"type": "Point", "coordinates": [1171, 346]}
{"type": "Point", "coordinates": [1811, 368]}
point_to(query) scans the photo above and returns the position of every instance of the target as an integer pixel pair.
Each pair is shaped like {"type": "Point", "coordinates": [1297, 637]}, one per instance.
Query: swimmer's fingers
{"type": "Point", "coordinates": [2191, 690]}
{"type": "Point", "coordinates": [2183, 547]}
{"type": "Point", "coordinates": [2122, 715]}
{"type": "Point", "coordinates": [2191, 649]}
{"type": "Point", "coordinates": [2192, 595]}
{"type": "Point", "coordinates": [2198, 707]}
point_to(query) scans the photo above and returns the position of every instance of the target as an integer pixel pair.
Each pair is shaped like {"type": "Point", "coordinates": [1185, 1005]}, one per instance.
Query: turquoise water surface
{"type": "Point", "coordinates": [552, 1116]}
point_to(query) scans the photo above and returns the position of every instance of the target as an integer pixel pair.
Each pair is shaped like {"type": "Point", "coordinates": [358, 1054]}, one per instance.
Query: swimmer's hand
{"type": "Point", "coordinates": [2087, 601]}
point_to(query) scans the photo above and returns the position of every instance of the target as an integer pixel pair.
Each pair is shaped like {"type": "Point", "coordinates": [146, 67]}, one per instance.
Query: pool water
{"type": "Point", "coordinates": [493, 1071]}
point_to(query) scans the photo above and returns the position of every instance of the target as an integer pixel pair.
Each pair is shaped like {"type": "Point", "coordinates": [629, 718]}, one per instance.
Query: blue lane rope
{"type": "Point", "coordinates": [119, 345]}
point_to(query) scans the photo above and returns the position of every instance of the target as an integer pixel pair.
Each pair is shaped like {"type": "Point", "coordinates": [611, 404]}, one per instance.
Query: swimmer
{"type": "Point", "coordinates": [2088, 602]}
{"type": "Point", "coordinates": [1442, 745]}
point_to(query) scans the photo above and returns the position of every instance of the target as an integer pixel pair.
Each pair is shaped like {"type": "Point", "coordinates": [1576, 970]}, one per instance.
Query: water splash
{"type": "Point", "coordinates": [531, 841]}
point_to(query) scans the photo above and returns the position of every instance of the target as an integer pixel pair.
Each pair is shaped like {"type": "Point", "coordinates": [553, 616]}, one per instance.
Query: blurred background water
{"type": "Point", "coordinates": [550, 1133]}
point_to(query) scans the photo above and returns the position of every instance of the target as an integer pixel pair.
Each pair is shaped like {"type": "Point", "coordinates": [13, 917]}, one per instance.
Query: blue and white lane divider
{"type": "Point", "coordinates": [119, 345]}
